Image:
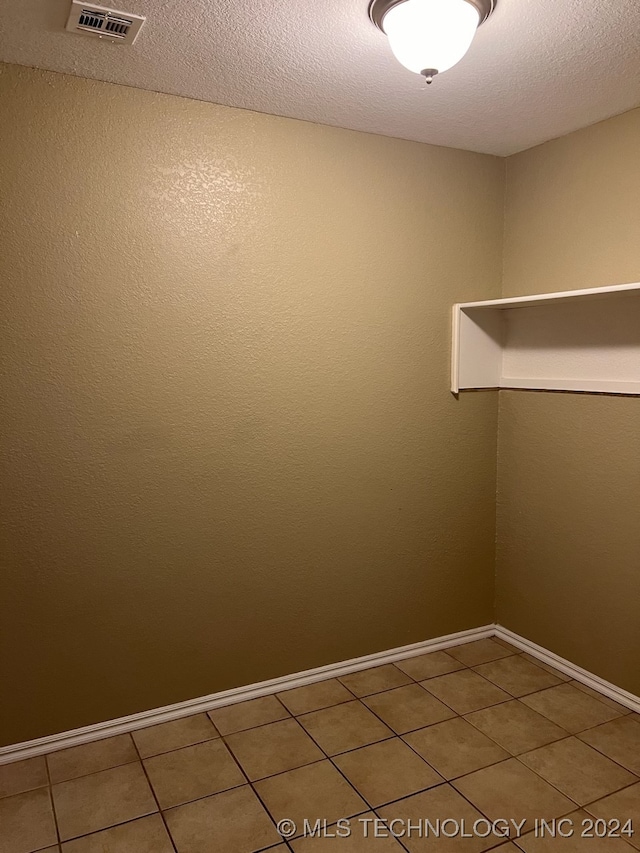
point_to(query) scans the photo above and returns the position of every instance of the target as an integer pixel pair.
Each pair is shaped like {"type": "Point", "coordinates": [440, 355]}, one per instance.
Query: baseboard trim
{"type": "Point", "coordinates": [98, 731]}
{"type": "Point", "coordinates": [623, 697]}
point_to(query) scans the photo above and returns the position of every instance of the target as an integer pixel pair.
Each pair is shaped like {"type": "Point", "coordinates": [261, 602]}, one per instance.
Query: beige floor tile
{"type": "Point", "coordinates": [91, 758]}
{"type": "Point", "coordinates": [312, 697]}
{"type": "Point", "coordinates": [315, 792]}
{"type": "Point", "coordinates": [516, 727]}
{"type": "Point", "coordinates": [247, 715]}
{"type": "Point", "coordinates": [507, 645]}
{"type": "Point", "coordinates": [570, 708]}
{"type": "Point", "coordinates": [465, 691]}
{"type": "Point", "coordinates": [569, 838]}
{"type": "Point", "coordinates": [232, 822]}
{"type": "Point", "coordinates": [578, 770]}
{"type": "Point", "coordinates": [480, 651]}
{"type": "Point", "coordinates": [610, 703]}
{"type": "Point", "coordinates": [174, 735]}
{"type": "Point", "coordinates": [429, 665]}
{"type": "Point", "coordinates": [561, 675]}
{"type": "Point", "coordinates": [362, 839]}
{"type": "Point", "coordinates": [103, 799]}
{"type": "Point", "coordinates": [619, 739]}
{"type": "Point", "coordinates": [192, 772]}
{"type": "Point", "coordinates": [516, 675]}
{"type": "Point", "coordinates": [375, 680]}
{"type": "Point", "coordinates": [623, 806]}
{"type": "Point", "coordinates": [344, 727]}
{"type": "Point", "coordinates": [512, 791]}
{"type": "Point", "coordinates": [455, 748]}
{"type": "Point", "coordinates": [146, 835]}
{"type": "Point", "coordinates": [26, 822]}
{"type": "Point", "coordinates": [273, 749]}
{"type": "Point", "coordinates": [23, 776]}
{"type": "Point", "coordinates": [386, 771]}
{"type": "Point", "coordinates": [438, 804]}
{"type": "Point", "coordinates": [408, 708]}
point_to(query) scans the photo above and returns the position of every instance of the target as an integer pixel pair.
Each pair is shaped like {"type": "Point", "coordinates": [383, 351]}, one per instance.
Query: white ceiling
{"type": "Point", "coordinates": [538, 68]}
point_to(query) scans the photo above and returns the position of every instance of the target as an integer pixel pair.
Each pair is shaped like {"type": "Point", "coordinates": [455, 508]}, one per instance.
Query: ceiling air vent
{"type": "Point", "coordinates": [104, 23]}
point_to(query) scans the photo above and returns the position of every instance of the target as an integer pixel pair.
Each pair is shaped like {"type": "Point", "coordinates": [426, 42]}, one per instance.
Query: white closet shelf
{"type": "Point", "coordinates": [575, 340]}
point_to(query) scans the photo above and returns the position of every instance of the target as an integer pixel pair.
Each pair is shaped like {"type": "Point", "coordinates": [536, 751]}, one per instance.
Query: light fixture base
{"type": "Point", "coordinates": [379, 8]}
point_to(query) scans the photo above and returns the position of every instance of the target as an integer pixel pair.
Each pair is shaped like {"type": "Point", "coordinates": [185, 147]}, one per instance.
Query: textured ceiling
{"type": "Point", "coordinates": [538, 68]}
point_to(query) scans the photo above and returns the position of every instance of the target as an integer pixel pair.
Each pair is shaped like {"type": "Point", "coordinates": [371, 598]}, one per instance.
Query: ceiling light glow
{"type": "Point", "coordinates": [429, 36]}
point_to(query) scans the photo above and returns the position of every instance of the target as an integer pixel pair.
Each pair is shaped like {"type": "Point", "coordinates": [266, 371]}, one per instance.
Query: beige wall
{"type": "Point", "coordinates": [229, 450]}
{"type": "Point", "coordinates": [569, 464]}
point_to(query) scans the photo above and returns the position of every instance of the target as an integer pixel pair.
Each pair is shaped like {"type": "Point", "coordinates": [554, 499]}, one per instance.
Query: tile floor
{"type": "Point", "coordinates": [480, 732]}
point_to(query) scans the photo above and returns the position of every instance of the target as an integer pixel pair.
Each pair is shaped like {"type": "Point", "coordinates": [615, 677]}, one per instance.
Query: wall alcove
{"type": "Point", "coordinates": [579, 340]}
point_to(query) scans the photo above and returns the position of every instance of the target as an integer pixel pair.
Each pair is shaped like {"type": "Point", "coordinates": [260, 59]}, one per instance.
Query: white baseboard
{"type": "Point", "coordinates": [98, 731]}
{"type": "Point", "coordinates": [577, 673]}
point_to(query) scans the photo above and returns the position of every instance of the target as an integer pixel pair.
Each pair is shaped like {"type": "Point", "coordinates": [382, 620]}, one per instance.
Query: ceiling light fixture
{"type": "Point", "coordinates": [429, 36]}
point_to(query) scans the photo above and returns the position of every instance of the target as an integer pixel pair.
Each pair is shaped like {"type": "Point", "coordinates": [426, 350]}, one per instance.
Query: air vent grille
{"type": "Point", "coordinates": [90, 19]}
{"type": "Point", "coordinates": [118, 26]}
{"type": "Point", "coordinates": [105, 23]}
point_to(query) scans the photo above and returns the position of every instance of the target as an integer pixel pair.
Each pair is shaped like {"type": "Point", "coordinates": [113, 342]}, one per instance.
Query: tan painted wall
{"type": "Point", "coordinates": [230, 448]}
{"type": "Point", "coordinates": [569, 464]}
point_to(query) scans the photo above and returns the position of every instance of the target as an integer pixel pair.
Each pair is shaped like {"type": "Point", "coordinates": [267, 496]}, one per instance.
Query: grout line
{"type": "Point", "coordinates": [462, 713]}
{"type": "Point", "coordinates": [546, 667]}
{"type": "Point", "coordinates": [53, 805]}
{"type": "Point", "coordinates": [478, 809]}
{"type": "Point", "coordinates": [276, 696]}
{"type": "Point", "coordinates": [426, 726]}
{"type": "Point", "coordinates": [383, 689]}
{"type": "Point", "coordinates": [444, 780]}
{"type": "Point", "coordinates": [516, 757]}
{"type": "Point", "coordinates": [324, 707]}
{"type": "Point", "coordinates": [322, 681]}
{"type": "Point", "coordinates": [460, 794]}
{"type": "Point", "coordinates": [584, 688]}
{"type": "Point", "coordinates": [365, 746]}
{"type": "Point", "coordinates": [106, 829]}
{"type": "Point", "coordinates": [574, 672]}
{"type": "Point", "coordinates": [566, 734]}
{"type": "Point", "coordinates": [611, 793]}
{"type": "Point", "coordinates": [251, 782]}
{"type": "Point", "coordinates": [578, 806]}
{"type": "Point", "coordinates": [551, 784]}
{"type": "Point", "coordinates": [586, 743]}
{"type": "Point", "coordinates": [149, 783]}
{"type": "Point", "coordinates": [257, 726]}
{"type": "Point", "coordinates": [167, 751]}
{"type": "Point", "coordinates": [564, 794]}
{"type": "Point", "coordinates": [468, 773]}
{"type": "Point", "coordinates": [330, 759]}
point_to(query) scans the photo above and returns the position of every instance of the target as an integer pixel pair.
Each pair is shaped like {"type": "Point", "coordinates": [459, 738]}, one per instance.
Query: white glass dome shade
{"type": "Point", "coordinates": [430, 36]}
